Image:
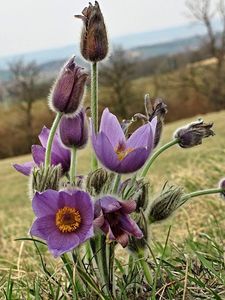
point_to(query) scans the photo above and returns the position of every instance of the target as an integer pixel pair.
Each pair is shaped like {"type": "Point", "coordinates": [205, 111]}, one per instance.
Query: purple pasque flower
{"type": "Point", "coordinates": [64, 219]}
{"type": "Point", "coordinates": [118, 154]}
{"type": "Point", "coordinates": [74, 131]}
{"type": "Point", "coordinates": [112, 217]}
{"type": "Point", "coordinates": [59, 154]}
{"type": "Point", "coordinates": [68, 90]}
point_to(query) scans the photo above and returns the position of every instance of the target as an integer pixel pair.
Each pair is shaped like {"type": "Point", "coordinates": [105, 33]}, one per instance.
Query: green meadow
{"type": "Point", "coordinates": [191, 263]}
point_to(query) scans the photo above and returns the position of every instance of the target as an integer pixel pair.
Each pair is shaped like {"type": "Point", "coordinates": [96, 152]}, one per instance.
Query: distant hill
{"type": "Point", "coordinates": [52, 60]}
{"type": "Point", "coordinates": [128, 42]}
{"type": "Point", "coordinates": [168, 48]}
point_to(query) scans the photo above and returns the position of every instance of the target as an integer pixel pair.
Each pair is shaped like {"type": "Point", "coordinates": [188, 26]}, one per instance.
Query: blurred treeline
{"type": "Point", "coordinates": [190, 83]}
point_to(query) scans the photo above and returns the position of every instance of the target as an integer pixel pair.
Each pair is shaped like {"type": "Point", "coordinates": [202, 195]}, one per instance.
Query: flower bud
{"type": "Point", "coordinates": [43, 179]}
{"type": "Point", "coordinates": [73, 131]}
{"type": "Point", "coordinates": [222, 186]}
{"type": "Point", "coordinates": [94, 41]}
{"type": "Point", "coordinates": [96, 181]}
{"type": "Point", "coordinates": [68, 90]}
{"type": "Point", "coordinates": [156, 108]}
{"type": "Point", "coordinates": [192, 134]}
{"type": "Point", "coordinates": [165, 204]}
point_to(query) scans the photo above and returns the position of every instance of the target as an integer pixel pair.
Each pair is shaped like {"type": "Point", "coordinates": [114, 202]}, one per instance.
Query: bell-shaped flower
{"type": "Point", "coordinates": [68, 91]}
{"type": "Point", "coordinates": [59, 154]}
{"type": "Point", "coordinates": [112, 217]}
{"type": "Point", "coordinates": [74, 131]}
{"type": "Point", "coordinates": [117, 153]}
{"type": "Point", "coordinates": [64, 219]}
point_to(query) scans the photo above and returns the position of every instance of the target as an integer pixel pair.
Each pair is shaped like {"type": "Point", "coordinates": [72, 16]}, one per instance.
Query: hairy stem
{"type": "Point", "coordinates": [155, 155]}
{"type": "Point", "coordinates": [201, 193]}
{"type": "Point", "coordinates": [145, 266]}
{"type": "Point", "coordinates": [116, 183]}
{"type": "Point", "coordinates": [94, 105]}
{"type": "Point", "coordinates": [73, 164]}
{"type": "Point", "coordinates": [50, 140]}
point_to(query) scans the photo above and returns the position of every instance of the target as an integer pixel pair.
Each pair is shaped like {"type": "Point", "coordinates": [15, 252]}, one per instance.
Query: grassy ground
{"type": "Point", "coordinates": [197, 236]}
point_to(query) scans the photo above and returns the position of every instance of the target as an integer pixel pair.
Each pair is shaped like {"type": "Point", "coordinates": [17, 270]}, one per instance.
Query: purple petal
{"type": "Point", "coordinates": [24, 168]}
{"type": "Point", "coordinates": [43, 227]}
{"type": "Point", "coordinates": [111, 128]}
{"type": "Point", "coordinates": [85, 232]}
{"type": "Point", "coordinates": [45, 203]}
{"type": "Point", "coordinates": [108, 231]}
{"type": "Point", "coordinates": [99, 221]}
{"type": "Point", "coordinates": [60, 155]}
{"type": "Point", "coordinates": [38, 153]}
{"type": "Point", "coordinates": [123, 239]}
{"type": "Point", "coordinates": [128, 225]}
{"type": "Point", "coordinates": [43, 136]}
{"type": "Point", "coordinates": [140, 138]}
{"type": "Point", "coordinates": [134, 160]}
{"type": "Point", "coordinates": [105, 151]}
{"type": "Point", "coordinates": [153, 125]}
{"type": "Point", "coordinates": [60, 243]}
{"type": "Point", "coordinates": [81, 201]}
{"type": "Point", "coordinates": [128, 206]}
{"type": "Point", "coordinates": [109, 204]}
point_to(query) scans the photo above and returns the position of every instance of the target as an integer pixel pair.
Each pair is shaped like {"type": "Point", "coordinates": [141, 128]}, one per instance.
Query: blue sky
{"type": "Point", "coordinates": [27, 25]}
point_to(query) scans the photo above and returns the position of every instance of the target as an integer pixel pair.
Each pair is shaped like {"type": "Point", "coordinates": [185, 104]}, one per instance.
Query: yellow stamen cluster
{"type": "Point", "coordinates": [67, 219]}
{"type": "Point", "coordinates": [122, 151]}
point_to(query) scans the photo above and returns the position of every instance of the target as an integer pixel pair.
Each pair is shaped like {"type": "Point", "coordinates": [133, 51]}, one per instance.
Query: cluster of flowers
{"type": "Point", "coordinates": [68, 214]}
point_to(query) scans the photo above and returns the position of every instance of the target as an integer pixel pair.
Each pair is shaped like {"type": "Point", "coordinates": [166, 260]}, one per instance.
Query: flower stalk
{"type": "Point", "coordinates": [94, 105]}
{"type": "Point", "coordinates": [73, 164]}
{"type": "Point", "coordinates": [145, 266]}
{"type": "Point", "coordinates": [116, 183]}
{"type": "Point", "coordinates": [201, 193]}
{"type": "Point", "coordinates": [50, 139]}
{"type": "Point", "coordinates": [156, 154]}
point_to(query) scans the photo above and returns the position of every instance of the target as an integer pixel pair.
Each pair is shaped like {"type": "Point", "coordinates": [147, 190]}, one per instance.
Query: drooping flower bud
{"type": "Point", "coordinates": [192, 134]}
{"type": "Point", "coordinates": [68, 90]}
{"type": "Point", "coordinates": [96, 181]}
{"type": "Point", "coordinates": [156, 108]}
{"type": "Point", "coordinates": [94, 41]}
{"type": "Point", "coordinates": [222, 186]}
{"type": "Point", "coordinates": [165, 204]}
{"type": "Point", "coordinates": [43, 179]}
{"type": "Point", "coordinates": [73, 131]}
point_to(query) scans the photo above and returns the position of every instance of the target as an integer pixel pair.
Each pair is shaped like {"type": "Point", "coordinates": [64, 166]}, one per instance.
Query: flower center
{"type": "Point", "coordinates": [122, 151]}
{"type": "Point", "coordinates": [68, 219]}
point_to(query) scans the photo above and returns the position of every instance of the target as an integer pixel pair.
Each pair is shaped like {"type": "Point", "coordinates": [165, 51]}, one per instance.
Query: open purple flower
{"type": "Point", "coordinates": [64, 219]}
{"type": "Point", "coordinates": [112, 217]}
{"type": "Point", "coordinates": [59, 154]}
{"type": "Point", "coordinates": [118, 154]}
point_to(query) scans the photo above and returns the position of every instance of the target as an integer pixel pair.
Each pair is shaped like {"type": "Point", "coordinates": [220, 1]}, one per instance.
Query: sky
{"type": "Point", "coordinates": [29, 25]}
